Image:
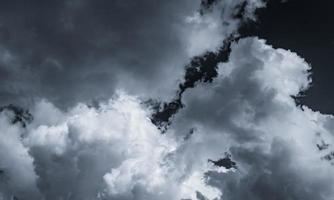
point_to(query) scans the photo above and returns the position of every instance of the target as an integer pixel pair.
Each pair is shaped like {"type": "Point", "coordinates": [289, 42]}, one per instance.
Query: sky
{"type": "Point", "coordinates": [161, 100]}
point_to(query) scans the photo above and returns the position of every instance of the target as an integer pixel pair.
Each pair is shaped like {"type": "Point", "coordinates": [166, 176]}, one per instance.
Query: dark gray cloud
{"type": "Point", "coordinates": [70, 51]}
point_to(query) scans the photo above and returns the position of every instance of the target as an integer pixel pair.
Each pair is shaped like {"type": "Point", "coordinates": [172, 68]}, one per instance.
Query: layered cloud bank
{"type": "Point", "coordinates": [234, 130]}
{"type": "Point", "coordinates": [113, 151]}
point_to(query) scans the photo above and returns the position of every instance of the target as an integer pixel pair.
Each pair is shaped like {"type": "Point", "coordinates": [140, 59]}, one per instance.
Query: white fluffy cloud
{"type": "Point", "coordinates": [109, 151]}
{"type": "Point", "coordinates": [249, 111]}
{"type": "Point", "coordinates": [113, 151]}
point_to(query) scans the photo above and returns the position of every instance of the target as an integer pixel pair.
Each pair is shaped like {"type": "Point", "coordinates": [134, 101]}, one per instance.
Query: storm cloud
{"type": "Point", "coordinates": [70, 51]}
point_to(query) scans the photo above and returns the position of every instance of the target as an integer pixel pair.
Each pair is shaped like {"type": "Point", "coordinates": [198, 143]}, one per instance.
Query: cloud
{"type": "Point", "coordinates": [17, 171]}
{"type": "Point", "coordinates": [217, 25]}
{"type": "Point", "coordinates": [256, 82]}
{"type": "Point", "coordinates": [114, 151]}
{"type": "Point", "coordinates": [282, 172]}
{"type": "Point", "coordinates": [82, 51]}
{"type": "Point", "coordinates": [248, 110]}
{"type": "Point", "coordinates": [79, 50]}
{"type": "Point", "coordinates": [239, 135]}
{"type": "Point", "coordinates": [88, 152]}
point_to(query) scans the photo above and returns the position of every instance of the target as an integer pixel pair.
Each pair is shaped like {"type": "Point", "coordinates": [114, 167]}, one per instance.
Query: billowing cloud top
{"type": "Point", "coordinates": [234, 130]}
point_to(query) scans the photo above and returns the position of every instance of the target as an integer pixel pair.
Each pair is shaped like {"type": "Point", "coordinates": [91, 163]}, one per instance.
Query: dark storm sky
{"type": "Point", "coordinates": [307, 28]}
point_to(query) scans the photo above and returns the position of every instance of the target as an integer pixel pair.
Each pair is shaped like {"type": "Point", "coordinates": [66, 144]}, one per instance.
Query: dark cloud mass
{"type": "Point", "coordinates": [69, 51]}
{"type": "Point", "coordinates": [157, 100]}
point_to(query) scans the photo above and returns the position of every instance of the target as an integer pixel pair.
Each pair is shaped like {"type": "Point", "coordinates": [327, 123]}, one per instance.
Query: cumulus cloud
{"type": "Point", "coordinates": [113, 151]}
{"type": "Point", "coordinates": [248, 110]}
{"type": "Point", "coordinates": [89, 153]}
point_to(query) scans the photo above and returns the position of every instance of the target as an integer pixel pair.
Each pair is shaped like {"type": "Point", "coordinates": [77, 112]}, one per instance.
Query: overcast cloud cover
{"type": "Point", "coordinates": [82, 72]}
